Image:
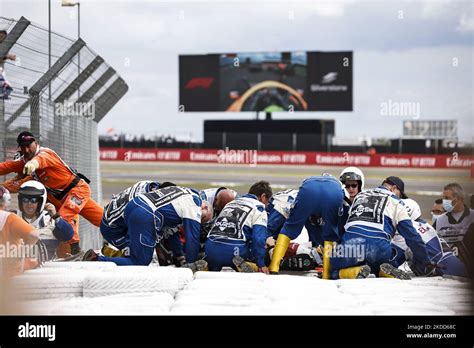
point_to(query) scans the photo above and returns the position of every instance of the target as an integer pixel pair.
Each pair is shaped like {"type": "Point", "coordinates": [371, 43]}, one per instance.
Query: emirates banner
{"type": "Point", "coordinates": [253, 158]}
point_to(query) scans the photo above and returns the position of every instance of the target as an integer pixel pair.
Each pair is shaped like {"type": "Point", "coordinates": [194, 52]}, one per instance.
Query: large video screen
{"type": "Point", "coordinates": [268, 82]}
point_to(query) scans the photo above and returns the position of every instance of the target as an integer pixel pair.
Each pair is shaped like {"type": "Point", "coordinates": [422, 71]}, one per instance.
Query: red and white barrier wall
{"type": "Point", "coordinates": [281, 157]}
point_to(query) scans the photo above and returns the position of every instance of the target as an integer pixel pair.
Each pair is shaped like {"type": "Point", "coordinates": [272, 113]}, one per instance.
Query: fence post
{"type": "Point", "coordinates": [79, 80]}
{"type": "Point", "coordinates": [44, 80]}
{"type": "Point", "coordinates": [10, 40]}
{"type": "Point", "coordinates": [13, 36]}
{"type": "Point", "coordinates": [109, 98]}
{"type": "Point", "coordinates": [72, 136]}
{"type": "Point", "coordinates": [101, 81]}
{"type": "Point", "coordinates": [3, 131]}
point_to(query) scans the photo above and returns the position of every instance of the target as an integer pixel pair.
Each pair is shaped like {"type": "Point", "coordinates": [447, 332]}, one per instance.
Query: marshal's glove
{"type": "Point", "coordinates": [30, 167]}
{"type": "Point", "coordinates": [51, 209]}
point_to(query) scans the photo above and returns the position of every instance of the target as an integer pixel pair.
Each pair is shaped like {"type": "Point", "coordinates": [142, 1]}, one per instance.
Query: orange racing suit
{"type": "Point", "coordinates": [13, 231]}
{"type": "Point", "coordinates": [13, 184]}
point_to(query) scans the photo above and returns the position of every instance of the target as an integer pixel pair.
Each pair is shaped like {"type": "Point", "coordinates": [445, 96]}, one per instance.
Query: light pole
{"type": "Point", "coordinates": [71, 3]}
{"type": "Point", "coordinates": [49, 44]}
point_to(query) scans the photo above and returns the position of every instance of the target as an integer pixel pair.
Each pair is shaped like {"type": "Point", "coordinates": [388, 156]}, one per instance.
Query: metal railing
{"type": "Point", "coordinates": [61, 104]}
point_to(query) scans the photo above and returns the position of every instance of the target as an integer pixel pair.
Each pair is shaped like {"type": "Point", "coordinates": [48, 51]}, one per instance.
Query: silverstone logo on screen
{"type": "Point", "coordinates": [325, 87]}
{"type": "Point", "coordinates": [328, 78]}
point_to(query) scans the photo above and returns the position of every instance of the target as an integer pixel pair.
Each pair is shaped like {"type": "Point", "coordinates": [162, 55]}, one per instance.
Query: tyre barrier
{"type": "Point", "coordinates": [114, 283]}
{"type": "Point", "coordinates": [45, 286]}
{"type": "Point", "coordinates": [80, 265]}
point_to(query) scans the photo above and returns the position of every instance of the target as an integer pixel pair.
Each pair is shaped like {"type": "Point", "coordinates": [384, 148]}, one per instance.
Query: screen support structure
{"type": "Point", "coordinates": [268, 116]}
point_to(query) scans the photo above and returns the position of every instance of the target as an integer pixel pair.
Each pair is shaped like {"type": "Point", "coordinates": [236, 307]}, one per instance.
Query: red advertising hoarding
{"type": "Point", "coordinates": [253, 157]}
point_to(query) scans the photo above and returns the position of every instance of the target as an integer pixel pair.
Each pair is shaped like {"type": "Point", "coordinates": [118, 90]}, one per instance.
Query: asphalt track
{"type": "Point", "coordinates": [423, 185]}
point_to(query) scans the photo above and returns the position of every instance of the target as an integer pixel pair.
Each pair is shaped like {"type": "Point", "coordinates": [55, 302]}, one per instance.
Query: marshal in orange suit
{"type": "Point", "coordinates": [68, 190]}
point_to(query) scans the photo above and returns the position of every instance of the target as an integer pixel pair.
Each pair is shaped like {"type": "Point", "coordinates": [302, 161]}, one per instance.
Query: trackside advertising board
{"type": "Point", "coordinates": [286, 157]}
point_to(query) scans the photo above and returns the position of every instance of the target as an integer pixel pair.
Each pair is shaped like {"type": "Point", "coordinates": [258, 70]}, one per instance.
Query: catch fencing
{"type": "Point", "coordinates": [60, 95]}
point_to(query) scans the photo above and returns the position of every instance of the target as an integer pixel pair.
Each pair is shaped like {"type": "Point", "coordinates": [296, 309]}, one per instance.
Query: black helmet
{"type": "Point", "coordinates": [25, 138]}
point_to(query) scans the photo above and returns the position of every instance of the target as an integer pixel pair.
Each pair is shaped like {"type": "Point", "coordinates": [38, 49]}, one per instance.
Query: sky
{"type": "Point", "coordinates": [404, 52]}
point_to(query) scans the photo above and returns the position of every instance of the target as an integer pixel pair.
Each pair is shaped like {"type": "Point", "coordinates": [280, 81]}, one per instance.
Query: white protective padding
{"type": "Point", "coordinates": [224, 276]}
{"type": "Point", "coordinates": [182, 275]}
{"type": "Point", "coordinates": [132, 304]}
{"type": "Point", "coordinates": [48, 270]}
{"type": "Point", "coordinates": [152, 290]}
{"type": "Point", "coordinates": [256, 294]}
{"type": "Point", "coordinates": [113, 283]}
{"type": "Point", "coordinates": [44, 286]}
{"type": "Point", "coordinates": [92, 265]}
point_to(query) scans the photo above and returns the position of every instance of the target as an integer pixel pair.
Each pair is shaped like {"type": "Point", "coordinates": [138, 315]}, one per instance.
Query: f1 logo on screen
{"type": "Point", "coordinates": [266, 81]}
{"type": "Point", "coordinates": [199, 82]}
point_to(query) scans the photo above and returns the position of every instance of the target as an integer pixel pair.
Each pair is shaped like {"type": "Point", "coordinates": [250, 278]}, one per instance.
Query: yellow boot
{"type": "Point", "coordinates": [328, 246]}
{"type": "Point", "coordinates": [244, 266]}
{"type": "Point", "coordinates": [197, 266]}
{"type": "Point", "coordinates": [357, 272]}
{"type": "Point", "coordinates": [252, 265]}
{"type": "Point", "coordinates": [388, 271]}
{"type": "Point", "coordinates": [110, 251]}
{"type": "Point", "coordinates": [278, 252]}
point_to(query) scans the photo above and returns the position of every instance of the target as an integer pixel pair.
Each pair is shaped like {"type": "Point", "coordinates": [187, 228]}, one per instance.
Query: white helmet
{"type": "Point", "coordinates": [353, 173]}
{"type": "Point", "coordinates": [5, 197]}
{"type": "Point", "coordinates": [413, 208]}
{"type": "Point", "coordinates": [30, 189]}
